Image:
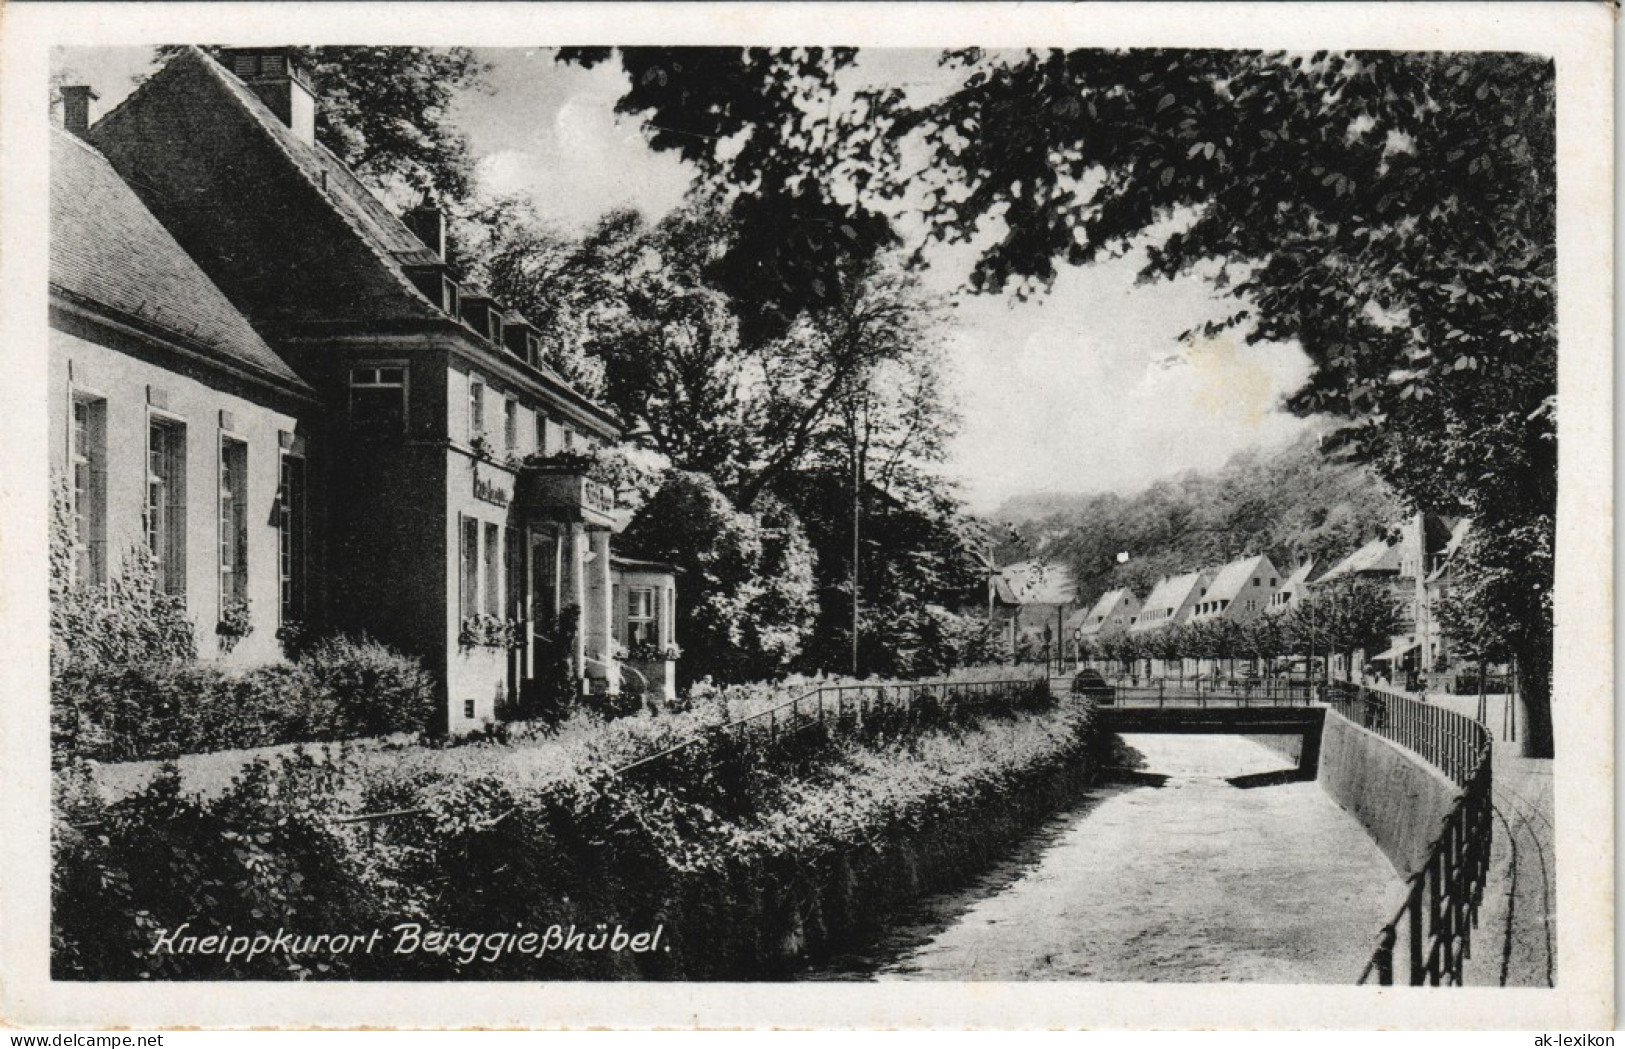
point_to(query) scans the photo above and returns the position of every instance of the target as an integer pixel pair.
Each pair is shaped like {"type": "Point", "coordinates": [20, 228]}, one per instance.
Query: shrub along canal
{"type": "Point", "coordinates": [1198, 866]}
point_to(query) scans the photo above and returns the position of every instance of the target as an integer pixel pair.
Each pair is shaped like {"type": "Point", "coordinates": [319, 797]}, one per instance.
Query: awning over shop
{"type": "Point", "coordinates": [1397, 652]}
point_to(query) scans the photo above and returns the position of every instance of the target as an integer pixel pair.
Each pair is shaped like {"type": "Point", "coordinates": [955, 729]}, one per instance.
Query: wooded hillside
{"type": "Point", "coordinates": [1293, 504]}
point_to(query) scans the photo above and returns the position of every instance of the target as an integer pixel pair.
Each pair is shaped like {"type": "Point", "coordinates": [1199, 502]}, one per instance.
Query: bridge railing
{"type": "Point", "coordinates": [1440, 910]}
{"type": "Point", "coordinates": [1207, 693]}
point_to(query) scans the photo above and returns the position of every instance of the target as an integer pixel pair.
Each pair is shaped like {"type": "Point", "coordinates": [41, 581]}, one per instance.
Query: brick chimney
{"type": "Point", "coordinates": [76, 102]}
{"type": "Point", "coordinates": [428, 221]}
{"type": "Point", "coordinates": [273, 73]}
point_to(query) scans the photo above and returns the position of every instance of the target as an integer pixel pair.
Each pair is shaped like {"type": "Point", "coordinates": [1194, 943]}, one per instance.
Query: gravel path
{"type": "Point", "coordinates": [1515, 943]}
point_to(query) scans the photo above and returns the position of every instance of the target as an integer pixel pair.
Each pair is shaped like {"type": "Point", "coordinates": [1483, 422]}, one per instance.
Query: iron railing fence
{"type": "Point", "coordinates": [1440, 910]}
{"type": "Point", "coordinates": [1452, 742]}
{"type": "Point", "coordinates": [863, 710]}
{"type": "Point", "coordinates": [1197, 693]}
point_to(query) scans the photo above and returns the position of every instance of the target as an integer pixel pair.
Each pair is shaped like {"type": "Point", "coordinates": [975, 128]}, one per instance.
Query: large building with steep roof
{"type": "Point", "coordinates": [447, 515]}
{"type": "Point", "coordinates": [1172, 600]}
{"type": "Point", "coordinates": [1239, 591]}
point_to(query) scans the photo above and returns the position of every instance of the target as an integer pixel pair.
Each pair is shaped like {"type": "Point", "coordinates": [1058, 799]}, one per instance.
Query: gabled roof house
{"type": "Point", "coordinates": [1240, 591]}
{"type": "Point", "coordinates": [1292, 590]}
{"type": "Point", "coordinates": [1377, 559]}
{"type": "Point", "coordinates": [1171, 600]}
{"type": "Point", "coordinates": [1112, 613]}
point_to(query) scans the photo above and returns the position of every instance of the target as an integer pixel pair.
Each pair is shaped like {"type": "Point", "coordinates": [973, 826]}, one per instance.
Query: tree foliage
{"type": "Point", "coordinates": [745, 597]}
{"type": "Point", "coordinates": [127, 620]}
{"type": "Point", "coordinates": [1295, 505]}
{"type": "Point", "coordinates": [1392, 213]}
{"type": "Point", "coordinates": [775, 137]}
{"type": "Point", "coordinates": [1344, 616]}
{"type": "Point", "coordinates": [386, 112]}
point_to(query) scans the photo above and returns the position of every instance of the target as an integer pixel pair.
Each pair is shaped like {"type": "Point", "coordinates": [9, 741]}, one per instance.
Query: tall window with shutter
{"type": "Point", "coordinates": [469, 578]}
{"type": "Point", "coordinates": [89, 464]}
{"type": "Point", "coordinates": [166, 502]}
{"type": "Point", "coordinates": [233, 523]}
{"type": "Point", "coordinates": [476, 409]}
{"type": "Point", "coordinates": [493, 569]}
{"type": "Point", "coordinates": [290, 519]}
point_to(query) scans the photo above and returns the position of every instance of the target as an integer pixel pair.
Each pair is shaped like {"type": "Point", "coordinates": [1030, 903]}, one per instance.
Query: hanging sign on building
{"type": "Point", "coordinates": [491, 487]}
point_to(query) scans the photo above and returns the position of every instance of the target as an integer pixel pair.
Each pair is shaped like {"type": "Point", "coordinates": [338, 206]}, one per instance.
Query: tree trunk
{"type": "Point", "coordinates": [1535, 695]}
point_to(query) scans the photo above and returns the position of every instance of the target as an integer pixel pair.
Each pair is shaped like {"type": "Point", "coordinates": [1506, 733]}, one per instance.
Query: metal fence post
{"type": "Point", "coordinates": [1385, 957]}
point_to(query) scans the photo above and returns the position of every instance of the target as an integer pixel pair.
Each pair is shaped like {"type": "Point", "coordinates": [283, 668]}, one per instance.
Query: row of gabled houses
{"type": "Point", "coordinates": [1414, 560]}
{"type": "Point", "coordinates": [276, 386]}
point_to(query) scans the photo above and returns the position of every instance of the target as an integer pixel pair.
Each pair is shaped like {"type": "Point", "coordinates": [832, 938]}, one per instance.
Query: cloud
{"type": "Point", "coordinates": [551, 132]}
{"type": "Point", "coordinates": [1091, 389]}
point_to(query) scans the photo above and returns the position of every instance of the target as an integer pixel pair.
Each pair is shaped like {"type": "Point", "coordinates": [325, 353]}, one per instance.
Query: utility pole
{"type": "Point", "coordinates": [857, 515]}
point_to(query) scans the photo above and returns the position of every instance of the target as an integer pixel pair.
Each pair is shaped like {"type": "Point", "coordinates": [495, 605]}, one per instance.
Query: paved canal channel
{"type": "Point", "coordinates": [1199, 866]}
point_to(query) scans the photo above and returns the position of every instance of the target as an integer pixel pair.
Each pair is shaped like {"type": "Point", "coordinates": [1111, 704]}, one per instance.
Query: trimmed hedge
{"type": "Point", "coordinates": [752, 869]}
{"type": "Point", "coordinates": [340, 688]}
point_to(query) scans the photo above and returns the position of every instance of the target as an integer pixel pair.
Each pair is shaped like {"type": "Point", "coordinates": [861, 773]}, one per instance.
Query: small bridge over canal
{"type": "Point", "coordinates": [1209, 711]}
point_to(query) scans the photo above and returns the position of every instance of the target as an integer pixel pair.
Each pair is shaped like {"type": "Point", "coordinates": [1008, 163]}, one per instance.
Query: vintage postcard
{"type": "Point", "coordinates": [800, 515]}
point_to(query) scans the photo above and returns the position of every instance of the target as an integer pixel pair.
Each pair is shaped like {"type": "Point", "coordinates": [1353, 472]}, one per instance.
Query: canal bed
{"type": "Point", "coordinates": [1198, 866]}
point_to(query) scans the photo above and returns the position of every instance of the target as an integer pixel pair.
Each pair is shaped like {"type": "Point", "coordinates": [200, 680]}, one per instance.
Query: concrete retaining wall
{"type": "Point", "coordinates": [1399, 798]}
{"type": "Point", "coordinates": [1289, 747]}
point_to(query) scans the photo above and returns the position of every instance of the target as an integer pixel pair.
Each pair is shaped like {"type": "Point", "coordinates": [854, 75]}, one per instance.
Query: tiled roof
{"type": "Point", "coordinates": [108, 249]}
{"type": "Point", "coordinates": [1458, 535]}
{"type": "Point", "coordinates": [394, 243]}
{"type": "Point", "coordinates": [1375, 556]}
{"type": "Point", "coordinates": [1232, 578]}
{"type": "Point", "coordinates": [1104, 606]}
{"type": "Point", "coordinates": [1170, 594]}
{"type": "Point", "coordinates": [1099, 617]}
{"type": "Point", "coordinates": [369, 274]}
{"type": "Point", "coordinates": [1300, 577]}
{"type": "Point", "coordinates": [1038, 583]}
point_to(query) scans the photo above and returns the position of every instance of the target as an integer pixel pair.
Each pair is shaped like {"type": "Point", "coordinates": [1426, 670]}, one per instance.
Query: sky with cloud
{"type": "Point", "coordinates": [1084, 389]}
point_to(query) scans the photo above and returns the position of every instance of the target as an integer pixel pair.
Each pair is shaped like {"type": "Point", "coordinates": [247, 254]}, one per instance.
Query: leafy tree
{"type": "Point", "coordinates": [1483, 613]}
{"type": "Point", "coordinates": [1393, 213]}
{"type": "Point", "coordinates": [385, 111]}
{"type": "Point", "coordinates": [1170, 644]}
{"type": "Point", "coordinates": [567, 285]}
{"type": "Point", "coordinates": [776, 139]}
{"type": "Point", "coordinates": [745, 604]}
{"type": "Point", "coordinates": [1345, 616]}
{"type": "Point", "coordinates": [915, 565]}
{"type": "Point", "coordinates": [1125, 649]}
{"type": "Point", "coordinates": [1264, 638]}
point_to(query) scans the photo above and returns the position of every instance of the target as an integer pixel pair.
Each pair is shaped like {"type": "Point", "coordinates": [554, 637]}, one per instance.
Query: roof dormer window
{"type": "Point", "coordinates": [436, 285]}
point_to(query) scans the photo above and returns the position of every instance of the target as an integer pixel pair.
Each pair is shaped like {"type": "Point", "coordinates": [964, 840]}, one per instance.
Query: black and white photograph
{"type": "Point", "coordinates": [845, 506]}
